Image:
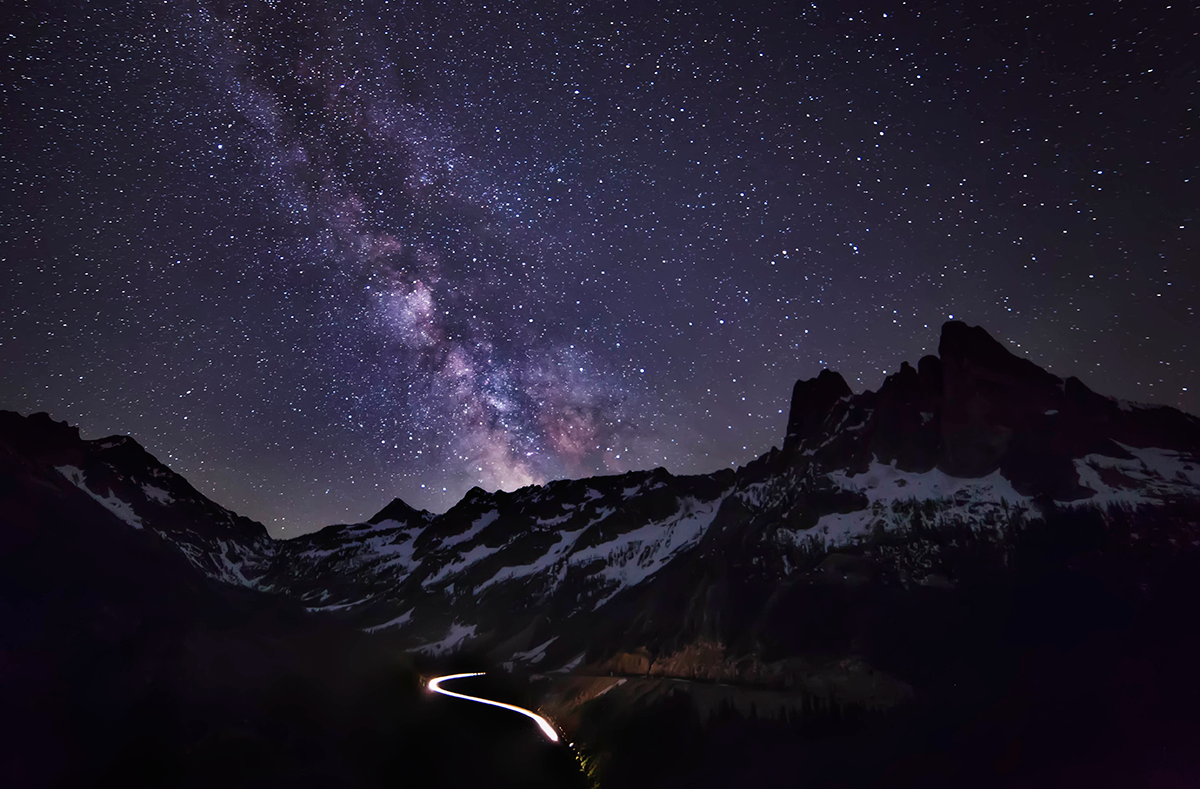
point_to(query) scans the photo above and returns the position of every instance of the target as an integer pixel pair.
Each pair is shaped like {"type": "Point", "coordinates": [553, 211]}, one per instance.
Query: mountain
{"type": "Point", "coordinates": [870, 563]}
{"type": "Point", "coordinates": [975, 438]}
{"type": "Point", "coordinates": [132, 485]}
{"type": "Point", "coordinates": [135, 652]}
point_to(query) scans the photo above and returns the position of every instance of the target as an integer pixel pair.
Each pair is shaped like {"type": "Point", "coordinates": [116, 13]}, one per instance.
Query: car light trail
{"type": "Point", "coordinates": [435, 685]}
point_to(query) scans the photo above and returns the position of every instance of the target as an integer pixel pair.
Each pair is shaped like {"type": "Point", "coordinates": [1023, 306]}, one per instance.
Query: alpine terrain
{"type": "Point", "coordinates": [981, 573]}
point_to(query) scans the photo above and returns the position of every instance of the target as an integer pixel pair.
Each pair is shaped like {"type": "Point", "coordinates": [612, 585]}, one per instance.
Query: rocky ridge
{"type": "Point", "coordinates": [919, 485]}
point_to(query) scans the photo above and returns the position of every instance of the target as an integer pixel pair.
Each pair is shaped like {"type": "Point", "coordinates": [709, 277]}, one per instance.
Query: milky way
{"type": "Point", "coordinates": [318, 255]}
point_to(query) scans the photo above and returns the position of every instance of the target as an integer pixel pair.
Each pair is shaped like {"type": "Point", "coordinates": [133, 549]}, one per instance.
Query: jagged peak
{"type": "Point", "coordinates": [975, 408]}
{"type": "Point", "coordinates": [125, 447]}
{"type": "Point", "coordinates": [397, 510]}
{"type": "Point", "coordinates": [812, 399]}
{"type": "Point", "coordinates": [36, 429]}
{"type": "Point", "coordinates": [962, 346]}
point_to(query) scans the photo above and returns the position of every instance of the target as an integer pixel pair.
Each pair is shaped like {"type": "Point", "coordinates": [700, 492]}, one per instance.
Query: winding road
{"type": "Point", "coordinates": [435, 685]}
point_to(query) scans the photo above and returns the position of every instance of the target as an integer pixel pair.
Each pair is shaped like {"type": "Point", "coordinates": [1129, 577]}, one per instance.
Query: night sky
{"type": "Point", "coordinates": [317, 255]}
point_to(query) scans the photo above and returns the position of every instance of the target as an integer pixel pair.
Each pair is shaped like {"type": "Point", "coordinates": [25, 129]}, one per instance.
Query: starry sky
{"type": "Point", "coordinates": [315, 255]}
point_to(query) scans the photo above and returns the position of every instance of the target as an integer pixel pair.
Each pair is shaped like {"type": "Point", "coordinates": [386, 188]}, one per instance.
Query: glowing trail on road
{"type": "Point", "coordinates": [435, 685]}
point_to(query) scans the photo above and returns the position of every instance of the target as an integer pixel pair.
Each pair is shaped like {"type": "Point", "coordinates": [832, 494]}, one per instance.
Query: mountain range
{"type": "Point", "coordinates": [844, 569]}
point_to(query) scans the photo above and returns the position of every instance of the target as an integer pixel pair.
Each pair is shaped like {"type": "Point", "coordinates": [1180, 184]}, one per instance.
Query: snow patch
{"type": "Point", "coordinates": [157, 494]}
{"type": "Point", "coordinates": [552, 557]}
{"type": "Point", "coordinates": [454, 639]}
{"type": "Point", "coordinates": [1168, 464]}
{"type": "Point", "coordinates": [116, 506]}
{"type": "Point", "coordinates": [754, 494]}
{"type": "Point", "coordinates": [234, 568]}
{"type": "Point", "coordinates": [466, 560]}
{"type": "Point", "coordinates": [338, 607]}
{"type": "Point", "coordinates": [633, 557]}
{"type": "Point", "coordinates": [376, 549]}
{"type": "Point", "coordinates": [400, 620]}
{"type": "Point", "coordinates": [887, 483]}
{"type": "Point", "coordinates": [616, 684]}
{"type": "Point", "coordinates": [575, 661]}
{"type": "Point", "coordinates": [481, 523]}
{"type": "Point", "coordinates": [565, 541]}
{"type": "Point", "coordinates": [535, 655]}
{"type": "Point", "coordinates": [393, 551]}
{"type": "Point", "coordinates": [959, 499]}
{"type": "Point", "coordinates": [1154, 474]}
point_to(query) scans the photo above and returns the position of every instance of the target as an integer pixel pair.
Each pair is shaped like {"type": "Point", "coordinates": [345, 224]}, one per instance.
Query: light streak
{"type": "Point", "coordinates": [543, 724]}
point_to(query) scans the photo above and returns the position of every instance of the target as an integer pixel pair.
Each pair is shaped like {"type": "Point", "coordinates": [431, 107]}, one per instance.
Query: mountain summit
{"type": "Point", "coordinates": [973, 410]}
